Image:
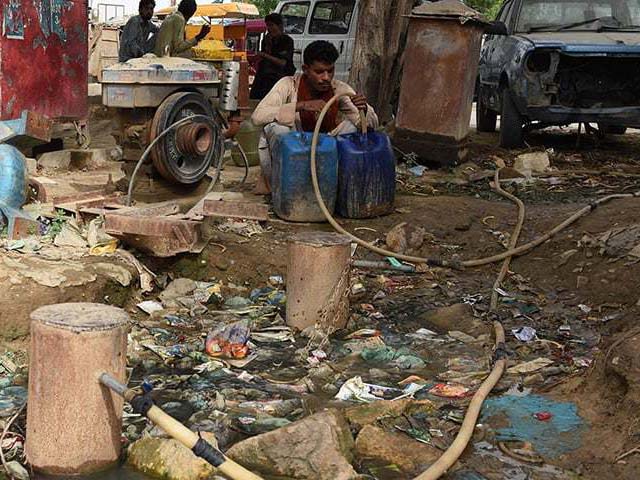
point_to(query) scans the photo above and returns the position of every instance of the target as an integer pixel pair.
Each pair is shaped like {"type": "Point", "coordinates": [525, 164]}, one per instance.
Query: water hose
{"type": "Point", "coordinates": [453, 453]}
{"type": "Point", "coordinates": [455, 450]}
{"type": "Point", "coordinates": [142, 404]}
{"type": "Point", "coordinates": [437, 262]}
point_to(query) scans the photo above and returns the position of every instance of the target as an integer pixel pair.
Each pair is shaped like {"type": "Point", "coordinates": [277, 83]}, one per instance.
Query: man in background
{"type": "Point", "coordinates": [276, 57]}
{"type": "Point", "coordinates": [171, 37]}
{"type": "Point", "coordinates": [139, 34]}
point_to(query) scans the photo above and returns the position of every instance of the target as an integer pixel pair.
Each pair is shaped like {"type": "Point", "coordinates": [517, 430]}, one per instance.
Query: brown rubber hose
{"type": "Point", "coordinates": [513, 243]}
{"type": "Point", "coordinates": [513, 252]}
{"type": "Point", "coordinates": [453, 453]}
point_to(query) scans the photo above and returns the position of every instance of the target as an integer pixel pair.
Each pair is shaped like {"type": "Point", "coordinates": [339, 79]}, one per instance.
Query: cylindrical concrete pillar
{"type": "Point", "coordinates": [318, 271]}
{"type": "Point", "coordinates": [74, 424]}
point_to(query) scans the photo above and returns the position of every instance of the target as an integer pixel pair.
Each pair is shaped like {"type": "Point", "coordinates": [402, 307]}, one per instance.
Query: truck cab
{"type": "Point", "coordinates": [333, 20]}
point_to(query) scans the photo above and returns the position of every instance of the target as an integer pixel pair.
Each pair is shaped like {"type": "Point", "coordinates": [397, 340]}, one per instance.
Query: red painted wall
{"type": "Point", "coordinates": [43, 58]}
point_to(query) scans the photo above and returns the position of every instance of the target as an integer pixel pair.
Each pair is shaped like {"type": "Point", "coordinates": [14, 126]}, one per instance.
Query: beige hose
{"type": "Point", "coordinates": [453, 453]}
{"type": "Point", "coordinates": [513, 243]}
{"type": "Point", "coordinates": [448, 458]}
{"type": "Point", "coordinates": [512, 252]}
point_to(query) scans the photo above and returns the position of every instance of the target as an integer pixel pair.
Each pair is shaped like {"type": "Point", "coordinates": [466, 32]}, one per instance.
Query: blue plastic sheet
{"type": "Point", "coordinates": [551, 438]}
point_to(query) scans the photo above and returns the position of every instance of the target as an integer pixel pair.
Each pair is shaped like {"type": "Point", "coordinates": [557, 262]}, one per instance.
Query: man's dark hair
{"type": "Point", "coordinates": [274, 18]}
{"type": "Point", "coordinates": [146, 3]}
{"type": "Point", "coordinates": [320, 51]}
{"type": "Point", "coordinates": [187, 8]}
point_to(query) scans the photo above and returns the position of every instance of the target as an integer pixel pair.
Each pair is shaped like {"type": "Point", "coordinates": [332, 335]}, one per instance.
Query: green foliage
{"type": "Point", "coordinates": [56, 224]}
{"type": "Point", "coordinates": [265, 6]}
{"type": "Point", "coordinates": [489, 8]}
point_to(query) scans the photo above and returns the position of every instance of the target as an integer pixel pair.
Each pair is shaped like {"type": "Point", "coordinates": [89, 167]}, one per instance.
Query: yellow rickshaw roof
{"type": "Point", "coordinates": [219, 10]}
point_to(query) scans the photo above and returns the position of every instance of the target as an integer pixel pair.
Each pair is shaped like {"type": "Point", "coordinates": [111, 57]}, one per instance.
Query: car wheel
{"type": "Point", "coordinates": [511, 129]}
{"type": "Point", "coordinates": [485, 118]}
{"type": "Point", "coordinates": [612, 129]}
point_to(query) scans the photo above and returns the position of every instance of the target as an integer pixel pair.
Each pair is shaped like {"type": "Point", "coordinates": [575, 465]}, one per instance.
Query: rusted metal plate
{"type": "Point", "coordinates": [44, 58]}
{"type": "Point", "coordinates": [153, 226]}
{"type": "Point", "coordinates": [160, 236]}
{"type": "Point", "coordinates": [438, 100]}
{"type": "Point", "coordinates": [20, 227]}
{"type": "Point", "coordinates": [162, 247]}
{"type": "Point", "coordinates": [245, 210]}
{"type": "Point", "coordinates": [75, 203]}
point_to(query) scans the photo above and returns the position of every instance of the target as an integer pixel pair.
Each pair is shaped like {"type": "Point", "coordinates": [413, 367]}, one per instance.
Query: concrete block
{"type": "Point", "coordinates": [59, 161]}
{"type": "Point", "coordinates": [32, 166]}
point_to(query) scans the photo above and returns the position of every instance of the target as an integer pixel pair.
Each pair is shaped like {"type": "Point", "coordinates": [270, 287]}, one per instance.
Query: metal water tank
{"type": "Point", "coordinates": [440, 69]}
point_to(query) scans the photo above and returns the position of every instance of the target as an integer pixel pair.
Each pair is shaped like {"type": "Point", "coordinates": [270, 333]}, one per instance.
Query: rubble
{"type": "Point", "coordinates": [320, 447]}
{"type": "Point", "coordinates": [168, 459]}
{"type": "Point", "coordinates": [395, 450]}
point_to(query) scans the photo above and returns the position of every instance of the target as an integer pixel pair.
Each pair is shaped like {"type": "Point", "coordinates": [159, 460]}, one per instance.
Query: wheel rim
{"type": "Point", "coordinates": [183, 155]}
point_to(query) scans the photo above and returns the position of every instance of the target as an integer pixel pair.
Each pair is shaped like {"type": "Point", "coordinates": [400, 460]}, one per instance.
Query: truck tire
{"type": "Point", "coordinates": [511, 129]}
{"type": "Point", "coordinates": [485, 118]}
{"type": "Point", "coordinates": [612, 129]}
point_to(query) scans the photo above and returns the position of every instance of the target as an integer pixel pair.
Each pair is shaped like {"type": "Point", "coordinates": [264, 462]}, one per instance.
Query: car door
{"type": "Point", "coordinates": [490, 59]}
{"type": "Point", "coordinates": [333, 20]}
{"type": "Point", "coordinates": [295, 16]}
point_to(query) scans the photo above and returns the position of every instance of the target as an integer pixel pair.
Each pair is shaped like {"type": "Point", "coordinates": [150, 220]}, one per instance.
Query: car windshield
{"type": "Point", "coordinates": [576, 15]}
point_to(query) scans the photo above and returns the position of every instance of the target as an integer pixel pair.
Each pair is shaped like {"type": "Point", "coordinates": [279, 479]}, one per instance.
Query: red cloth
{"type": "Point", "coordinates": [309, 119]}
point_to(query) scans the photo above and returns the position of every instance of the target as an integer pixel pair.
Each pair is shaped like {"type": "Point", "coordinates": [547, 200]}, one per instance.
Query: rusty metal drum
{"type": "Point", "coordinates": [440, 69]}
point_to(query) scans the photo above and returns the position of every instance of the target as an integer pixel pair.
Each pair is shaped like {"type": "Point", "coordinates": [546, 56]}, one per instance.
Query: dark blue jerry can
{"type": "Point", "coordinates": [366, 175]}
{"type": "Point", "coordinates": [292, 191]}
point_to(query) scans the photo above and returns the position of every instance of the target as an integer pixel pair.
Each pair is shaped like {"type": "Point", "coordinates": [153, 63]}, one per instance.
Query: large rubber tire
{"type": "Point", "coordinates": [168, 160]}
{"type": "Point", "coordinates": [511, 123]}
{"type": "Point", "coordinates": [612, 129]}
{"type": "Point", "coordinates": [485, 118]}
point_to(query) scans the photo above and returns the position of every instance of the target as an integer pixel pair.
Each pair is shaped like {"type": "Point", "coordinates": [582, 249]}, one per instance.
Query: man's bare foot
{"type": "Point", "coordinates": [262, 186]}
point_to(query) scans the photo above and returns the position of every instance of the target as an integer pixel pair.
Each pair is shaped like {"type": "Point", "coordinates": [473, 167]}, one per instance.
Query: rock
{"type": "Point", "coordinates": [403, 238]}
{"type": "Point", "coordinates": [535, 162]}
{"type": "Point", "coordinates": [59, 161]}
{"type": "Point", "coordinates": [32, 165]}
{"type": "Point", "coordinates": [168, 459]}
{"type": "Point", "coordinates": [368, 414]}
{"type": "Point", "coordinates": [385, 448]}
{"type": "Point", "coordinates": [319, 447]}
{"type": "Point", "coordinates": [625, 363]}
{"type": "Point", "coordinates": [457, 317]}
{"type": "Point", "coordinates": [70, 236]}
{"type": "Point", "coordinates": [96, 234]}
{"type": "Point", "coordinates": [180, 287]}
{"type": "Point", "coordinates": [115, 272]}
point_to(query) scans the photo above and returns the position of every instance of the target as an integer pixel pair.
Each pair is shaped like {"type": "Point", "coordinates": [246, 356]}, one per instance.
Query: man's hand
{"type": "Point", "coordinates": [204, 31]}
{"type": "Point", "coordinates": [311, 106]}
{"type": "Point", "coordinates": [360, 102]}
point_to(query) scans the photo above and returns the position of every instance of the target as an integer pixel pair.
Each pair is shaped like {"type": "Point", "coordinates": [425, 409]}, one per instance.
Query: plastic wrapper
{"type": "Point", "coordinates": [229, 341]}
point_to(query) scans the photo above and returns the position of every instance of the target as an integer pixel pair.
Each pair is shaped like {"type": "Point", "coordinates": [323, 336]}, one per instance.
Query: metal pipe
{"type": "Point", "coordinates": [383, 266]}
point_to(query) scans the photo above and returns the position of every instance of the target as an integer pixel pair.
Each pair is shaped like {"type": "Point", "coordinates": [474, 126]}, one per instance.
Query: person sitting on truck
{"type": "Point", "coordinates": [294, 103]}
{"type": "Point", "coordinates": [276, 57]}
{"type": "Point", "coordinates": [171, 37]}
{"type": "Point", "coordinates": [139, 34]}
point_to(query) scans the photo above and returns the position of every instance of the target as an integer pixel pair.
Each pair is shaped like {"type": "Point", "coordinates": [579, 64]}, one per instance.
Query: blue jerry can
{"type": "Point", "coordinates": [367, 175]}
{"type": "Point", "coordinates": [292, 189]}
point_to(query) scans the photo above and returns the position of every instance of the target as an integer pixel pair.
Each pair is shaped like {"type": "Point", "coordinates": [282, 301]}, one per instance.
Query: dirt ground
{"type": "Point", "coordinates": [459, 218]}
{"type": "Point", "coordinates": [464, 219]}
